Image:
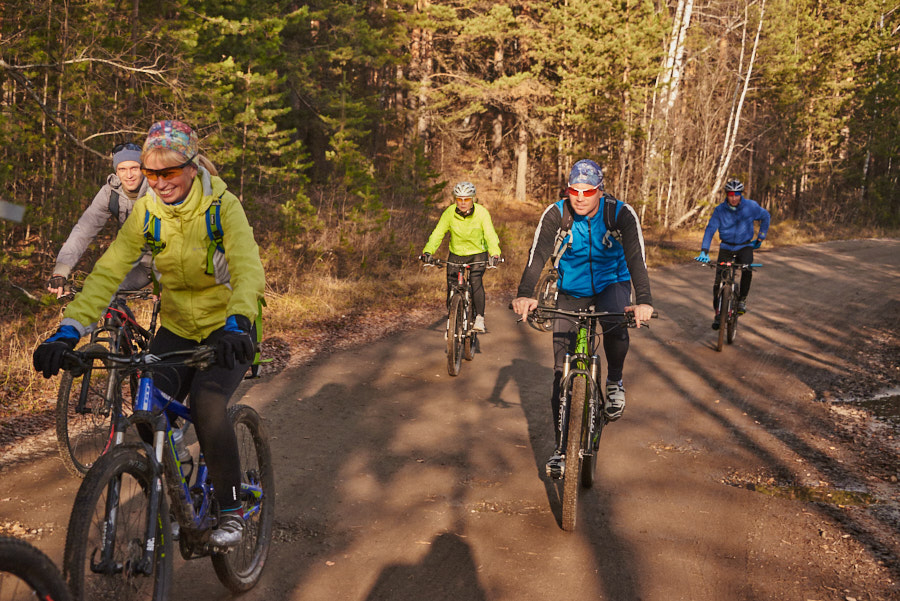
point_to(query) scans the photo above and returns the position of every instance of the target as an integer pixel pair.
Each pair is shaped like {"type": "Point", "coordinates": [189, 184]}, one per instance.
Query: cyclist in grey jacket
{"type": "Point", "coordinates": [115, 199]}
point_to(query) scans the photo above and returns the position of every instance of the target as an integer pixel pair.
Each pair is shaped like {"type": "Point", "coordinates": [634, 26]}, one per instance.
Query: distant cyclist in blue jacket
{"type": "Point", "coordinates": [735, 221]}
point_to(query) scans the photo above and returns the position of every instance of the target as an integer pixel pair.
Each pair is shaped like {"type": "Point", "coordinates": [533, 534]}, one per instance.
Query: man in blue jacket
{"type": "Point", "coordinates": [734, 219]}
{"type": "Point", "coordinates": [600, 265]}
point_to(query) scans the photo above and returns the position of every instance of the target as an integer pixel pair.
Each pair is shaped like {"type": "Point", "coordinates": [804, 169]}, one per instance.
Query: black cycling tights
{"type": "Point", "coordinates": [743, 255]}
{"type": "Point", "coordinates": [475, 275]}
{"type": "Point", "coordinates": [613, 298]}
{"type": "Point", "coordinates": [209, 392]}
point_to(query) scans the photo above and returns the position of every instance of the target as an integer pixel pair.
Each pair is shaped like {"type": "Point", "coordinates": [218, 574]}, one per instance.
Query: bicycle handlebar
{"type": "Point", "coordinates": [199, 357]}
{"type": "Point", "coordinates": [732, 264]}
{"type": "Point", "coordinates": [435, 262]}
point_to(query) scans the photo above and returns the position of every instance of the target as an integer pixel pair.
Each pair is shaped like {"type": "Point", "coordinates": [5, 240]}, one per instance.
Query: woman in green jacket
{"type": "Point", "coordinates": [209, 297]}
{"type": "Point", "coordinates": [472, 239]}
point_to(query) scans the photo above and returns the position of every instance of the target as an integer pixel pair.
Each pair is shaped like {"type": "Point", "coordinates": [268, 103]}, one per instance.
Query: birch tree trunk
{"type": "Point", "coordinates": [734, 124]}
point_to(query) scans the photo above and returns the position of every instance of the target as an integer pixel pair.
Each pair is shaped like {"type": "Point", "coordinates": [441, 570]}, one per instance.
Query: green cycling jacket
{"type": "Point", "coordinates": [192, 303]}
{"type": "Point", "coordinates": [470, 235]}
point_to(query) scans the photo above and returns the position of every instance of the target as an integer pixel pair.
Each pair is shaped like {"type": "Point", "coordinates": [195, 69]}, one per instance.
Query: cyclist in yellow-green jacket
{"type": "Point", "coordinates": [472, 239]}
{"type": "Point", "coordinates": [211, 291]}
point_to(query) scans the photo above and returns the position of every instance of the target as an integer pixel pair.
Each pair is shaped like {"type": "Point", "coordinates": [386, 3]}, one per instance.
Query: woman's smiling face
{"type": "Point", "coordinates": [172, 189]}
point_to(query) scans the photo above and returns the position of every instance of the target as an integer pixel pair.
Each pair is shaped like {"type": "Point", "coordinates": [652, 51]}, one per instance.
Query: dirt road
{"type": "Point", "coordinates": [398, 482]}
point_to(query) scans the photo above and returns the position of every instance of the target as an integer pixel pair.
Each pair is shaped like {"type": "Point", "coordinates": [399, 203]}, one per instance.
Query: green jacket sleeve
{"type": "Point", "coordinates": [440, 230]}
{"type": "Point", "coordinates": [248, 279]}
{"type": "Point", "coordinates": [490, 235]}
{"type": "Point", "coordinates": [108, 272]}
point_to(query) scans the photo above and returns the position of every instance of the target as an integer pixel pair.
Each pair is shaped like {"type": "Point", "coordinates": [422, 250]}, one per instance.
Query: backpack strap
{"type": "Point", "coordinates": [215, 233]}
{"type": "Point", "coordinates": [114, 206]}
{"type": "Point", "coordinates": [610, 212]}
{"type": "Point", "coordinates": [565, 228]}
{"type": "Point", "coordinates": [153, 241]}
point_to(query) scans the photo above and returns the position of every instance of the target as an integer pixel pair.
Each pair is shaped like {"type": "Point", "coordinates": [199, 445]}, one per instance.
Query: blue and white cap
{"type": "Point", "coordinates": [587, 172]}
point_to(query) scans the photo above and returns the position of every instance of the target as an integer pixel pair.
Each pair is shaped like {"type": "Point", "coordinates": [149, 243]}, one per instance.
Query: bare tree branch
{"type": "Point", "coordinates": [51, 114]}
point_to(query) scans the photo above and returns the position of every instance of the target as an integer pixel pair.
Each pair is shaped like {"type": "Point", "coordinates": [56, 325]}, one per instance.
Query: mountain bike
{"type": "Point", "coordinates": [88, 402]}
{"type": "Point", "coordinates": [120, 534]}
{"type": "Point", "coordinates": [581, 417]}
{"type": "Point", "coordinates": [727, 299]}
{"type": "Point", "coordinates": [26, 573]}
{"type": "Point", "coordinates": [462, 340]}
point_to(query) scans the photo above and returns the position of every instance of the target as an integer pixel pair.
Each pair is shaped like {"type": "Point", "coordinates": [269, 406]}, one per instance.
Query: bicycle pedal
{"type": "Point", "coordinates": [556, 468]}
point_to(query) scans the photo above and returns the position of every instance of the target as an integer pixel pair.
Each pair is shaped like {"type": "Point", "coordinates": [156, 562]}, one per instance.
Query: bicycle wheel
{"type": "Point", "coordinates": [26, 573]}
{"type": "Point", "coordinates": [573, 452]}
{"type": "Point", "coordinates": [84, 431]}
{"type": "Point", "coordinates": [732, 321]}
{"type": "Point", "coordinates": [455, 336]}
{"type": "Point", "coordinates": [724, 312]}
{"type": "Point", "coordinates": [110, 513]}
{"type": "Point", "coordinates": [241, 568]}
{"type": "Point", "coordinates": [471, 341]}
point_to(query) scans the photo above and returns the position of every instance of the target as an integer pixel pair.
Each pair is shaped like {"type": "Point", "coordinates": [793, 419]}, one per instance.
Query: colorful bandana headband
{"type": "Point", "coordinates": [587, 172]}
{"type": "Point", "coordinates": [173, 135]}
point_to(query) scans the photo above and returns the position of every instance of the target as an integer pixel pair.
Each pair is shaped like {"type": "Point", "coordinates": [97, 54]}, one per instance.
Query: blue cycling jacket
{"type": "Point", "coordinates": [595, 260]}
{"type": "Point", "coordinates": [736, 227]}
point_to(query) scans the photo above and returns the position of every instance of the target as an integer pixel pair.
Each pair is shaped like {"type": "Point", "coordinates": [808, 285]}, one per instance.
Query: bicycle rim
{"type": "Point", "coordinates": [84, 435]}
{"type": "Point", "coordinates": [241, 568]}
{"type": "Point", "coordinates": [26, 573]}
{"type": "Point", "coordinates": [455, 336]}
{"type": "Point", "coordinates": [724, 311]}
{"type": "Point", "coordinates": [573, 452]}
{"type": "Point", "coordinates": [118, 485]}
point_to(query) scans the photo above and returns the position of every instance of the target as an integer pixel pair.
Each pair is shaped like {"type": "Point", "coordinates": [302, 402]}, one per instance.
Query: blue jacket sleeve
{"type": "Point", "coordinates": [764, 218]}
{"type": "Point", "coordinates": [711, 229]}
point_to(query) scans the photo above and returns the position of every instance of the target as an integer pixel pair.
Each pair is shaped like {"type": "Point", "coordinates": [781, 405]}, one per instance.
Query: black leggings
{"type": "Point", "coordinates": [743, 255]}
{"type": "Point", "coordinates": [475, 274]}
{"type": "Point", "coordinates": [210, 391]}
{"type": "Point", "coordinates": [614, 298]}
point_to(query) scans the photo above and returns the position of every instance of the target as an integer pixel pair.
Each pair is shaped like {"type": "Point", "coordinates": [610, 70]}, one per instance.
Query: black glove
{"type": "Point", "coordinates": [494, 261]}
{"type": "Point", "coordinates": [236, 344]}
{"type": "Point", "coordinates": [426, 258]}
{"type": "Point", "coordinates": [56, 282]}
{"type": "Point", "coordinates": [49, 355]}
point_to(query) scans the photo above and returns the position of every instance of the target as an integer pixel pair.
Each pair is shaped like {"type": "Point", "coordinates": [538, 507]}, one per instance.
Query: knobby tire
{"type": "Point", "coordinates": [724, 311]}
{"type": "Point", "coordinates": [82, 438]}
{"type": "Point", "coordinates": [34, 575]}
{"type": "Point", "coordinates": [732, 321]}
{"type": "Point", "coordinates": [455, 334]}
{"type": "Point", "coordinates": [241, 568]}
{"type": "Point", "coordinates": [571, 476]}
{"type": "Point", "coordinates": [127, 468]}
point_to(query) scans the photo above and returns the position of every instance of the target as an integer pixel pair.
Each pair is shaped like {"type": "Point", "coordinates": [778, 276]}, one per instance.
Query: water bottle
{"type": "Point", "coordinates": [184, 454]}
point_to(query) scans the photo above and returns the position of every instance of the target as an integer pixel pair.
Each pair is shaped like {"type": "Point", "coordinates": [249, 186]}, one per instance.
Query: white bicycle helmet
{"type": "Point", "coordinates": [734, 185]}
{"type": "Point", "coordinates": [464, 190]}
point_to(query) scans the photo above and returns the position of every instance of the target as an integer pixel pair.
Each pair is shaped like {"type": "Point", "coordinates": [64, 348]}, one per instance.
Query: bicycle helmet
{"type": "Point", "coordinates": [734, 185]}
{"type": "Point", "coordinates": [464, 190]}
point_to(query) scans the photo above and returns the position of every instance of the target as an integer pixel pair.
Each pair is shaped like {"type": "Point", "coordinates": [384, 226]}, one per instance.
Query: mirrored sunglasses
{"type": "Point", "coordinates": [589, 193]}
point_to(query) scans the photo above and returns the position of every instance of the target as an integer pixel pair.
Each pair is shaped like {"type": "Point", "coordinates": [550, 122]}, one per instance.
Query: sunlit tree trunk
{"type": "Point", "coordinates": [521, 161]}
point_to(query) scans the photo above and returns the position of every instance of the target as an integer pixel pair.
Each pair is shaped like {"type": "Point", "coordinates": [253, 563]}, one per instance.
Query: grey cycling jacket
{"type": "Point", "coordinates": [92, 221]}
